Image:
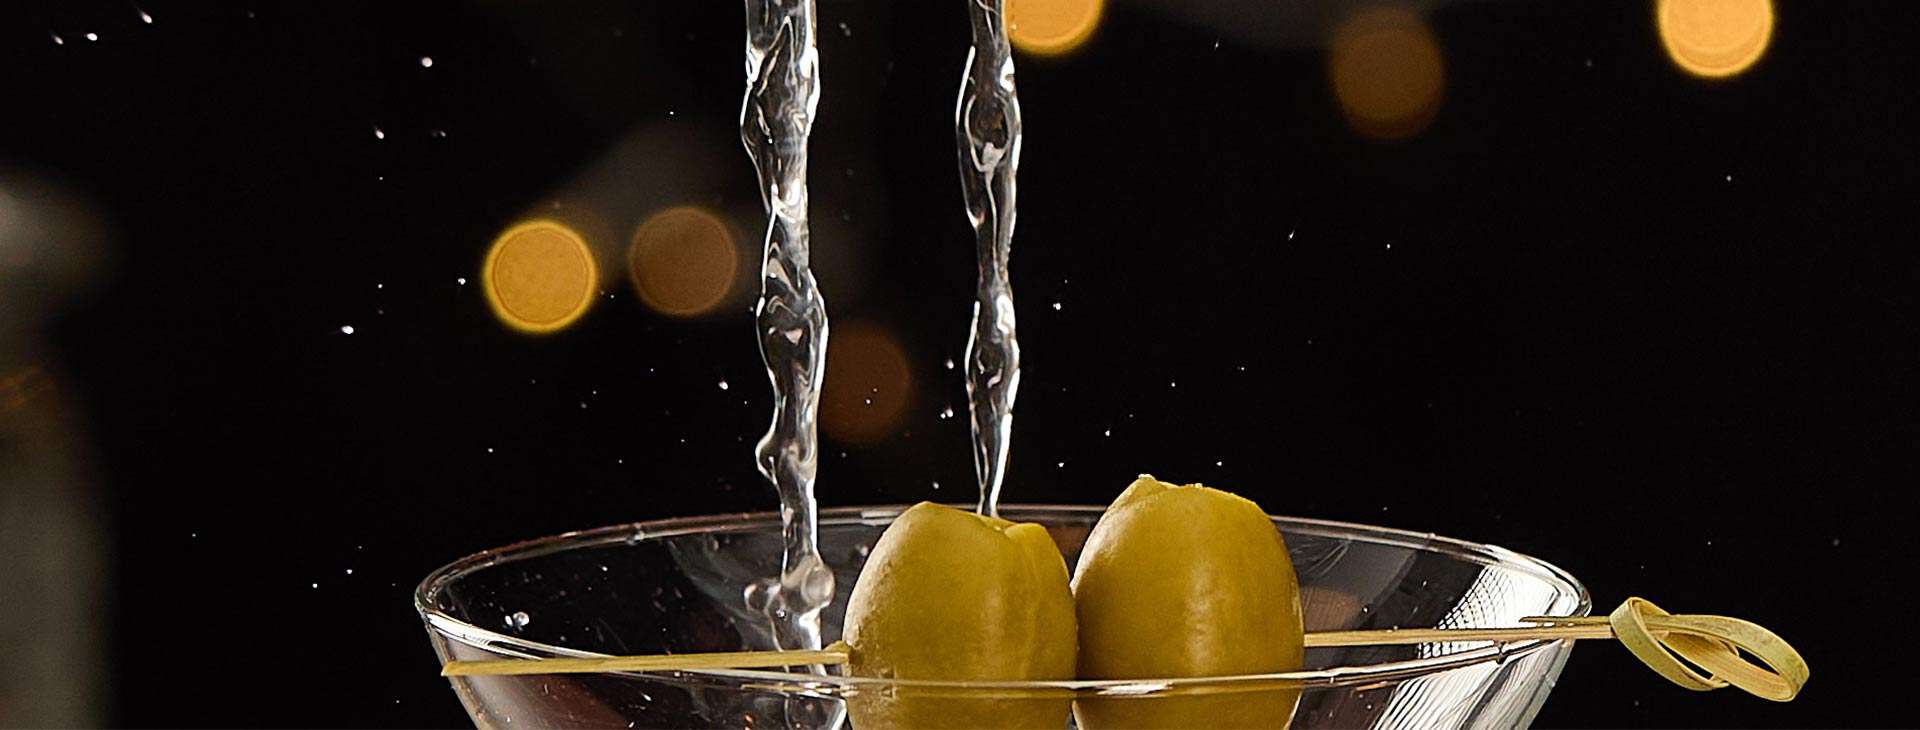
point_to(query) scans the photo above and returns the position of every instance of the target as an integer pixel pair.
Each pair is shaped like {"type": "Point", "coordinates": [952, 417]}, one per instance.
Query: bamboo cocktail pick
{"type": "Point", "coordinates": [1657, 638]}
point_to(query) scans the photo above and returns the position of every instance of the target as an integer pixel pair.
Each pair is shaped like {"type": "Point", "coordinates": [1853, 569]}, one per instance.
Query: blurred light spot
{"type": "Point", "coordinates": [1387, 73]}
{"type": "Point", "coordinates": [1051, 27]}
{"type": "Point", "coordinates": [869, 384]}
{"type": "Point", "coordinates": [538, 276]}
{"type": "Point", "coordinates": [426, 62]}
{"type": "Point", "coordinates": [18, 388]}
{"type": "Point", "coordinates": [93, 36]}
{"type": "Point", "coordinates": [683, 261]}
{"type": "Point", "coordinates": [346, 329]}
{"type": "Point", "coordinates": [1715, 38]}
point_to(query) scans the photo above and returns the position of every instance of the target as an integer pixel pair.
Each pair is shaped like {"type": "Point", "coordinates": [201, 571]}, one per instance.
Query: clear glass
{"type": "Point", "coordinates": [676, 586]}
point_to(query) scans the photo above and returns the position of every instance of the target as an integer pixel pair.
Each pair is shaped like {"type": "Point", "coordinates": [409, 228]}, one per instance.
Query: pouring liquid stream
{"type": "Point", "coordinates": [790, 319]}
{"type": "Point", "coordinates": [776, 119]}
{"type": "Point", "coordinates": [987, 130]}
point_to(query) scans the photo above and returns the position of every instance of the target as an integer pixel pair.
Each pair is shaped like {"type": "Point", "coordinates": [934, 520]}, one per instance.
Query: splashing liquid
{"type": "Point", "coordinates": [791, 318]}
{"type": "Point", "coordinates": [987, 128]}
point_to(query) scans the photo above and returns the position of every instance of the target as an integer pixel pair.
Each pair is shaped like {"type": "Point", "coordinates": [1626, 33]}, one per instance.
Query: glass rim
{"type": "Point", "coordinates": [503, 644]}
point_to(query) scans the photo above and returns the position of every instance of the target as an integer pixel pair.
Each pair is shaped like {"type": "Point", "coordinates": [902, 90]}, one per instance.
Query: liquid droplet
{"type": "Point", "coordinates": [518, 620]}
{"type": "Point", "coordinates": [723, 385]}
{"type": "Point", "coordinates": [346, 329]}
{"type": "Point", "coordinates": [426, 62]}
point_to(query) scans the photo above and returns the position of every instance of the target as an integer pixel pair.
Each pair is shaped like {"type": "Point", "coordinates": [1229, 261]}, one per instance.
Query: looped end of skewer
{"type": "Point", "coordinates": [1712, 643]}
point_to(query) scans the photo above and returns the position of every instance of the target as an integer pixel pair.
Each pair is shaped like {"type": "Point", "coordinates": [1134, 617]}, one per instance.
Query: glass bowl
{"type": "Point", "coordinates": [677, 586]}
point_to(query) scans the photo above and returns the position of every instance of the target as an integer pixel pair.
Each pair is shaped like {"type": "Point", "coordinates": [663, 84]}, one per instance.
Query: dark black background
{"type": "Point", "coordinates": [1550, 322]}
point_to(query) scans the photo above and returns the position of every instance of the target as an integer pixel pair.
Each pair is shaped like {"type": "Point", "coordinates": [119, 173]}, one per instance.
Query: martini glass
{"type": "Point", "coordinates": [680, 585]}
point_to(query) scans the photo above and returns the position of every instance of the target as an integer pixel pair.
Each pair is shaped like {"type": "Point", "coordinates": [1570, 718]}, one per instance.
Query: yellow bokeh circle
{"type": "Point", "coordinates": [539, 276]}
{"type": "Point", "coordinates": [1715, 38]}
{"type": "Point", "coordinates": [1051, 27]}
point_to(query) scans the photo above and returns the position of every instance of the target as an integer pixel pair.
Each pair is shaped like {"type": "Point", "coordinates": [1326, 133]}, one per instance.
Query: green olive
{"type": "Point", "coordinates": [1186, 582]}
{"type": "Point", "coordinates": [952, 595]}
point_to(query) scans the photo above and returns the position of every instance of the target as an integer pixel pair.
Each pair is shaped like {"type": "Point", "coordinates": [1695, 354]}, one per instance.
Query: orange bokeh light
{"type": "Point", "coordinates": [869, 384]}
{"type": "Point", "coordinates": [539, 276]}
{"type": "Point", "coordinates": [1387, 73]}
{"type": "Point", "coordinates": [683, 261]}
{"type": "Point", "coordinates": [1715, 38]}
{"type": "Point", "coordinates": [1051, 27]}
